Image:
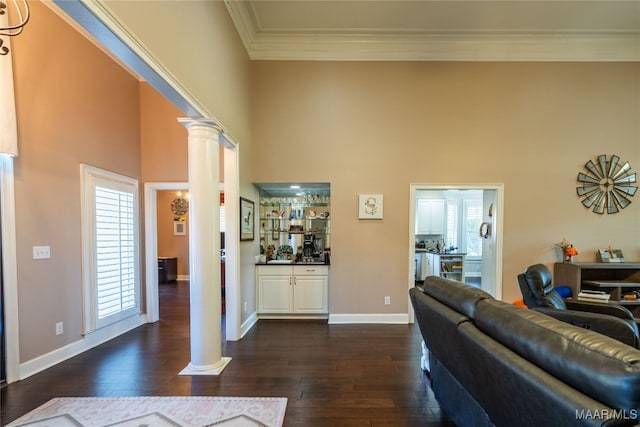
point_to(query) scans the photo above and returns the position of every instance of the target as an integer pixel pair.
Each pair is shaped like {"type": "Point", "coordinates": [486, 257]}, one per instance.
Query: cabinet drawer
{"type": "Point", "coordinates": [310, 270]}
{"type": "Point", "coordinates": [274, 270]}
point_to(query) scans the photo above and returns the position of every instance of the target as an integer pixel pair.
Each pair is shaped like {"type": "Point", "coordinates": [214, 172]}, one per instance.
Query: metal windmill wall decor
{"type": "Point", "coordinates": [606, 185]}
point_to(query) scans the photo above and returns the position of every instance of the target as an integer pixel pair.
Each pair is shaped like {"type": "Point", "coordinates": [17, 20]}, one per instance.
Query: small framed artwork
{"type": "Point", "coordinates": [370, 206]}
{"type": "Point", "coordinates": [179, 228]}
{"type": "Point", "coordinates": [246, 219]}
{"type": "Point", "coordinates": [610, 255]}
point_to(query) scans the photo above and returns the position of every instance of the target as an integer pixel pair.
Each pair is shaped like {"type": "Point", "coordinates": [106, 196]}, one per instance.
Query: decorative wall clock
{"type": "Point", "coordinates": [606, 185]}
{"type": "Point", "coordinates": [179, 206]}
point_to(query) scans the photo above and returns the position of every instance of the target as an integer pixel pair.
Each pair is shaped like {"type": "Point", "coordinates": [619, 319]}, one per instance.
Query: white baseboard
{"type": "Point", "coordinates": [248, 324]}
{"type": "Point", "coordinates": [182, 277]}
{"type": "Point", "coordinates": [393, 318]}
{"type": "Point", "coordinates": [89, 341]}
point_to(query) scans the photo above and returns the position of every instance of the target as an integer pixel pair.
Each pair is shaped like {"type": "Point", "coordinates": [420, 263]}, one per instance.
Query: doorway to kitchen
{"type": "Point", "coordinates": [455, 231]}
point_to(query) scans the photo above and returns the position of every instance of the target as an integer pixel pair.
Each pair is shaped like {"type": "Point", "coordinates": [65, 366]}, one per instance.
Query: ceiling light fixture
{"type": "Point", "coordinates": [21, 8]}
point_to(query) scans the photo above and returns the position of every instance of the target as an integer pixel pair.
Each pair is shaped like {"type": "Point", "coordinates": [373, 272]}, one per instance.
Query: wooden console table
{"type": "Point", "coordinates": [614, 278]}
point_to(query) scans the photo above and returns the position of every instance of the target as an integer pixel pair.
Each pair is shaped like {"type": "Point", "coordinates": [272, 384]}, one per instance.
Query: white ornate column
{"type": "Point", "coordinates": [204, 249]}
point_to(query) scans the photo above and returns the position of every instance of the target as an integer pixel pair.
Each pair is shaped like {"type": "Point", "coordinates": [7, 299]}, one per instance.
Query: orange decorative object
{"type": "Point", "coordinates": [520, 303]}
{"type": "Point", "coordinates": [571, 251]}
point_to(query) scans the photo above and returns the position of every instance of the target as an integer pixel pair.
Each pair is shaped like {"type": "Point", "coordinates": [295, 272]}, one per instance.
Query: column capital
{"type": "Point", "coordinates": [205, 123]}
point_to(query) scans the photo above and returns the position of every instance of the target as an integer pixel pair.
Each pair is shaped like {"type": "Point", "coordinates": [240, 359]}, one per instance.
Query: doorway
{"type": "Point", "coordinates": [469, 220]}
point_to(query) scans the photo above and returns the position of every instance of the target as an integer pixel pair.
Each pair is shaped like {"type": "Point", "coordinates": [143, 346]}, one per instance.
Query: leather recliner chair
{"type": "Point", "coordinates": [612, 320]}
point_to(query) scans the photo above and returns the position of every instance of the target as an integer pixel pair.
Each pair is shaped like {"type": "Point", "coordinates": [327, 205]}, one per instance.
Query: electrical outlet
{"type": "Point", "coordinates": [387, 300]}
{"type": "Point", "coordinates": [59, 328]}
{"type": "Point", "coordinates": [41, 252]}
{"type": "Point", "coordinates": [245, 306]}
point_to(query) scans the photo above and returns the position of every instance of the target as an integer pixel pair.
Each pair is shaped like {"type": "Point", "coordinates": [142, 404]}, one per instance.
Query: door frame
{"type": "Point", "coordinates": [497, 228]}
{"type": "Point", "coordinates": [151, 189]}
{"type": "Point", "coordinates": [9, 251]}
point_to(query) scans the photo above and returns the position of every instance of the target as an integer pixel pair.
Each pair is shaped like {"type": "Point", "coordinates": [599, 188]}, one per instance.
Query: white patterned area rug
{"type": "Point", "coordinates": [183, 411]}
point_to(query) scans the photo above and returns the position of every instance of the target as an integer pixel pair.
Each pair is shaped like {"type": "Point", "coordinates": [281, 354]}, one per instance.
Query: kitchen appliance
{"type": "Point", "coordinates": [308, 248]}
{"type": "Point", "coordinates": [318, 246]}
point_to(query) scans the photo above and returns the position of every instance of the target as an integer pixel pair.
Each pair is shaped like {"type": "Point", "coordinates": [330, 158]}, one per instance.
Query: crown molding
{"type": "Point", "coordinates": [354, 46]}
{"type": "Point", "coordinates": [241, 17]}
{"type": "Point", "coordinates": [445, 48]}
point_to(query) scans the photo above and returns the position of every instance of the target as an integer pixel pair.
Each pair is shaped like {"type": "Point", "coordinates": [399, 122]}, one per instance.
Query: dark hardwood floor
{"type": "Point", "coordinates": [332, 375]}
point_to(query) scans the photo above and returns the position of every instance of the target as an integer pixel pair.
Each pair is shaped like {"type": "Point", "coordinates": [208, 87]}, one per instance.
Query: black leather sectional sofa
{"type": "Point", "coordinates": [493, 363]}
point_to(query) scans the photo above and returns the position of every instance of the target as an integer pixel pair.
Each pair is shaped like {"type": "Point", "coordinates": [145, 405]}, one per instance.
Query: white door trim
{"type": "Point", "coordinates": [9, 269]}
{"type": "Point", "coordinates": [151, 243]}
{"type": "Point", "coordinates": [499, 226]}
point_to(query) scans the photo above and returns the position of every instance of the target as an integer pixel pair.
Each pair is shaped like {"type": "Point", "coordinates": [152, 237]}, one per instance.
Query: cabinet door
{"type": "Point", "coordinates": [430, 216]}
{"type": "Point", "coordinates": [274, 294]}
{"type": "Point", "coordinates": [433, 265]}
{"type": "Point", "coordinates": [310, 294]}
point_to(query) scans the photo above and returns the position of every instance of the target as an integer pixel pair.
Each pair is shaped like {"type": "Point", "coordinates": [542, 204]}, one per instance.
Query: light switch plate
{"type": "Point", "coordinates": [41, 252]}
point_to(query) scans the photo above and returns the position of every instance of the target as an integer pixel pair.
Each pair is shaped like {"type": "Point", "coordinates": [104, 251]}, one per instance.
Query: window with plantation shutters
{"type": "Point", "coordinates": [115, 246]}
{"type": "Point", "coordinates": [110, 247]}
{"type": "Point", "coordinates": [472, 221]}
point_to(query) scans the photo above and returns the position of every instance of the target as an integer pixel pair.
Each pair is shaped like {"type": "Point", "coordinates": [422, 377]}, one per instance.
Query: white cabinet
{"type": "Point", "coordinates": [293, 290]}
{"type": "Point", "coordinates": [430, 216]}
{"type": "Point", "coordinates": [427, 264]}
{"type": "Point", "coordinates": [274, 294]}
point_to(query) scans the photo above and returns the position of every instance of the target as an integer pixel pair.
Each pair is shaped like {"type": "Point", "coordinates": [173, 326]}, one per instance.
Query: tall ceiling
{"type": "Point", "coordinates": [484, 30]}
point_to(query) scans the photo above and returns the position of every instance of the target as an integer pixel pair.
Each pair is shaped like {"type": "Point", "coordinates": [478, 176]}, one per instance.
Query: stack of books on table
{"type": "Point", "coordinates": [594, 296]}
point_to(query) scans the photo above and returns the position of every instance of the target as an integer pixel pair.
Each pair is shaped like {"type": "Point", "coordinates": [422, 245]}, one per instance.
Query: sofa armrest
{"type": "Point", "coordinates": [625, 331]}
{"type": "Point", "coordinates": [611, 309]}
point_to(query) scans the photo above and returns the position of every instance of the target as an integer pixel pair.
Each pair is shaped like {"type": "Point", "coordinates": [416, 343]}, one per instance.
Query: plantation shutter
{"type": "Point", "coordinates": [472, 220]}
{"type": "Point", "coordinates": [115, 252]}
{"type": "Point", "coordinates": [110, 248]}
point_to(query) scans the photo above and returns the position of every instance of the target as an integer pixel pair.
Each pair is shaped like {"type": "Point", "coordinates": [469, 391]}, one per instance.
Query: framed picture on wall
{"type": "Point", "coordinates": [247, 219]}
{"type": "Point", "coordinates": [179, 228]}
{"type": "Point", "coordinates": [370, 206]}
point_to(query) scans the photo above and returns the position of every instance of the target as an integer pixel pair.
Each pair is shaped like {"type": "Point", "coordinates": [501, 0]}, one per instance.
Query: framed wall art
{"type": "Point", "coordinates": [247, 220]}
{"type": "Point", "coordinates": [370, 206]}
{"type": "Point", "coordinates": [179, 228]}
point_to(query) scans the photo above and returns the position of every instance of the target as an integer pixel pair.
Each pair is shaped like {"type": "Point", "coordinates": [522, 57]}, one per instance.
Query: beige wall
{"type": "Point", "coordinates": [163, 140]}
{"type": "Point", "coordinates": [377, 127]}
{"type": "Point", "coordinates": [198, 43]}
{"type": "Point", "coordinates": [74, 106]}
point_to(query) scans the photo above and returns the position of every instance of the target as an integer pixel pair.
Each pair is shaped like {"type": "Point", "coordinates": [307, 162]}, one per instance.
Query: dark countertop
{"type": "Point", "coordinates": [291, 263]}
{"type": "Point", "coordinates": [420, 250]}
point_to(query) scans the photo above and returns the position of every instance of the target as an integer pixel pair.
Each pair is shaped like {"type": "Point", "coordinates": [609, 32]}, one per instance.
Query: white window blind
{"type": "Point", "coordinates": [115, 245]}
{"type": "Point", "coordinates": [452, 224]}
{"type": "Point", "coordinates": [472, 221]}
{"type": "Point", "coordinates": [110, 247]}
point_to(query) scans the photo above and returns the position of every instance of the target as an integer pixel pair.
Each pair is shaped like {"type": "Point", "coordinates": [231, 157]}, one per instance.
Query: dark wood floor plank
{"type": "Point", "coordinates": [332, 375]}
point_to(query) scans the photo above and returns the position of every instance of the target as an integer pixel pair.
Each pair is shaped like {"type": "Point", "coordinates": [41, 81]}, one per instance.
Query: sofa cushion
{"type": "Point", "coordinates": [438, 323]}
{"type": "Point", "coordinates": [597, 365]}
{"type": "Point", "coordinates": [456, 295]}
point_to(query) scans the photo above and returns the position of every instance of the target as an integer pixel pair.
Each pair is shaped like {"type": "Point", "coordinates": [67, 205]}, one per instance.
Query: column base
{"type": "Point", "coordinates": [215, 369]}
